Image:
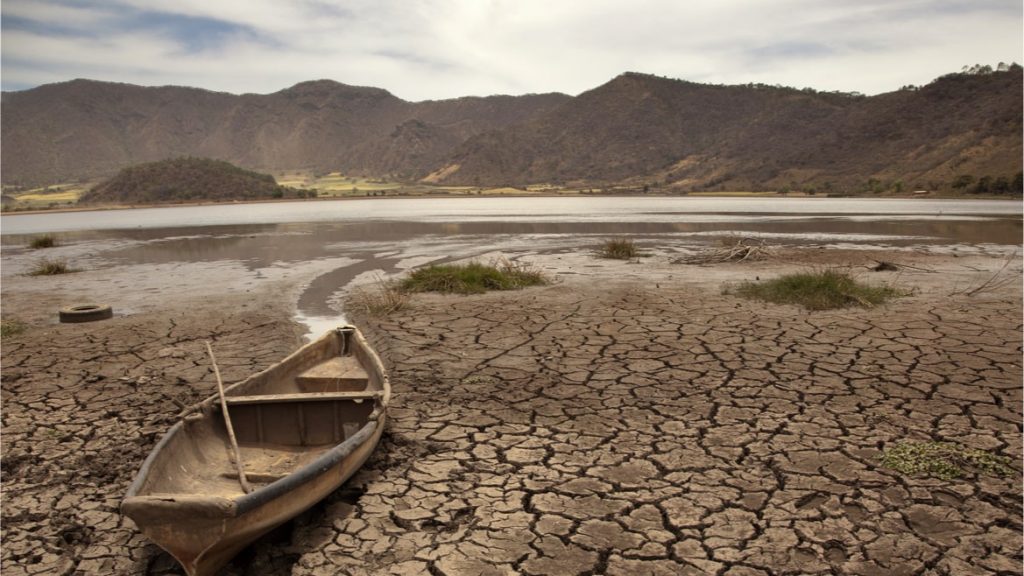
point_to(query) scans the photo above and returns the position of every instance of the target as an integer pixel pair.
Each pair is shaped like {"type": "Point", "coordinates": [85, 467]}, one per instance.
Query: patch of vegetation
{"type": "Point", "coordinates": [337, 185]}
{"type": "Point", "coordinates": [946, 460]}
{"type": "Point", "coordinates": [382, 299]}
{"type": "Point", "coordinates": [822, 290]}
{"type": "Point", "coordinates": [44, 241]}
{"type": "Point", "coordinates": [10, 328]}
{"type": "Point", "coordinates": [473, 278]}
{"type": "Point", "coordinates": [16, 198]}
{"type": "Point", "coordinates": [50, 267]}
{"type": "Point", "coordinates": [619, 249]}
{"type": "Point", "coordinates": [988, 184]}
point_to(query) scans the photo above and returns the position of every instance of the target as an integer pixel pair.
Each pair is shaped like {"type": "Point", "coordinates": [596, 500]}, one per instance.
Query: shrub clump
{"type": "Point", "coordinates": [10, 328]}
{"type": "Point", "coordinates": [472, 278]}
{"type": "Point", "coordinates": [946, 460]}
{"type": "Point", "coordinates": [48, 267]}
{"type": "Point", "coordinates": [818, 291]}
{"type": "Point", "coordinates": [44, 241]}
{"type": "Point", "coordinates": [619, 249]}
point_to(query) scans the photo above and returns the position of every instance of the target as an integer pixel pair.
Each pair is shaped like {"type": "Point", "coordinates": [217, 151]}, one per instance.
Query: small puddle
{"type": "Point", "coordinates": [319, 325]}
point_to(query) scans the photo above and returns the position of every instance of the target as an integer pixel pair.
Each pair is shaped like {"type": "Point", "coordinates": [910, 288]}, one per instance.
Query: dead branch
{"type": "Point", "coordinates": [742, 251]}
{"type": "Point", "coordinates": [991, 283]}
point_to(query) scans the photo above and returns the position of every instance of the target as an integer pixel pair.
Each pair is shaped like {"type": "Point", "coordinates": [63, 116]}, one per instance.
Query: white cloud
{"type": "Point", "coordinates": [422, 49]}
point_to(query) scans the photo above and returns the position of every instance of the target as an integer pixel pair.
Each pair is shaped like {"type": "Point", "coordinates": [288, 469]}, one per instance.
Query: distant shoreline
{"type": "Point", "coordinates": [104, 208]}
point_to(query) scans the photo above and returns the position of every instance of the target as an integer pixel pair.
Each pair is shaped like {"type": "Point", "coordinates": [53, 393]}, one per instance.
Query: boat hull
{"type": "Point", "coordinates": [204, 536]}
{"type": "Point", "coordinates": [185, 499]}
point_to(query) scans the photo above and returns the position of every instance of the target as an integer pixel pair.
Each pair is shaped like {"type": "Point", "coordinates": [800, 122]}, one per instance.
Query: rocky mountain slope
{"type": "Point", "coordinates": [664, 132]}
{"type": "Point", "coordinates": [87, 129]}
{"type": "Point", "coordinates": [636, 129]}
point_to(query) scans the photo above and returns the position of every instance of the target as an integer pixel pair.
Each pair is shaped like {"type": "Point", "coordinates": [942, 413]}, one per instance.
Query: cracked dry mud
{"type": "Point", "coordinates": [83, 404]}
{"type": "Point", "coordinates": [574, 429]}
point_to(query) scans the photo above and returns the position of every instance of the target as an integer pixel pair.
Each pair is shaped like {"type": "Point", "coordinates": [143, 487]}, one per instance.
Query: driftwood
{"type": "Point", "coordinates": [886, 266]}
{"type": "Point", "coordinates": [743, 250]}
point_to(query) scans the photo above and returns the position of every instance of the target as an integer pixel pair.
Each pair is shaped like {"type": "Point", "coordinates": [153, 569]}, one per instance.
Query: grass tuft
{"type": "Point", "coordinates": [44, 241]}
{"type": "Point", "coordinates": [946, 460]}
{"type": "Point", "coordinates": [822, 290]}
{"type": "Point", "coordinates": [10, 328]}
{"type": "Point", "coordinates": [619, 249]}
{"type": "Point", "coordinates": [381, 299]}
{"type": "Point", "coordinates": [48, 267]}
{"type": "Point", "coordinates": [473, 278]}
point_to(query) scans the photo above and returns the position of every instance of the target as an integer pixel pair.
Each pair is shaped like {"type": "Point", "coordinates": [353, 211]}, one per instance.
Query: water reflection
{"type": "Point", "coordinates": [261, 245]}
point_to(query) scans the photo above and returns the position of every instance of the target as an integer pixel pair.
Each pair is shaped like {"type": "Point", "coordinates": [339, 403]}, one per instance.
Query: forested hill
{"type": "Point", "coordinates": [184, 180]}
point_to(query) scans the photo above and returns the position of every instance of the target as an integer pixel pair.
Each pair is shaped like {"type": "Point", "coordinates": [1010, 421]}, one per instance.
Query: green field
{"type": "Point", "coordinates": [336, 184]}
{"type": "Point", "coordinates": [54, 196]}
{"type": "Point", "coordinates": [738, 194]}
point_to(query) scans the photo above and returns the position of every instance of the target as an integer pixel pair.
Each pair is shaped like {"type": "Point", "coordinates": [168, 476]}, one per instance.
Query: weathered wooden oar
{"type": "Point", "coordinates": [227, 424]}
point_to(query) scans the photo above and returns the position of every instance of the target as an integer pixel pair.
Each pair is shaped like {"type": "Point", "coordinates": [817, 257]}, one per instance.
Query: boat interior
{"type": "Point", "coordinates": [283, 418]}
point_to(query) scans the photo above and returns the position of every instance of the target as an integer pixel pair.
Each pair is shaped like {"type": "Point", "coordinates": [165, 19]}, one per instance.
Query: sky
{"type": "Point", "coordinates": [435, 49]}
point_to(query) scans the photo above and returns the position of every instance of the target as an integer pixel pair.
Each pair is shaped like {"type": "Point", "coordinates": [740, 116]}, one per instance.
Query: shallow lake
{"type": "Point", "coordinates": [343, 239]}
{"type": "Point", "coordinates": [518, 209]}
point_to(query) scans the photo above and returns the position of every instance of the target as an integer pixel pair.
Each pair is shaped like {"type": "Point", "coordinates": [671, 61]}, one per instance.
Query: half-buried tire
{"type": "Point", "coordinates": [86, 313]}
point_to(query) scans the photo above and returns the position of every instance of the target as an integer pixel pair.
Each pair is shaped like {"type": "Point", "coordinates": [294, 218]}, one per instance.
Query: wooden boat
{"type": "Point", "coordinates": [303, 427]}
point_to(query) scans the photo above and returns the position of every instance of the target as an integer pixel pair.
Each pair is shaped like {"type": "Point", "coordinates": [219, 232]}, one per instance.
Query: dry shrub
{"type": "Point", "coordinates": [619, 249]}
{"type": "Point", "coordinates": [48, 267]}
{"type": "Point", "coordinates": [44, 241]}
{"type": "Point", "coordinates": [11, 328]}
{"type": "Point", "coordinates": [381, 298]}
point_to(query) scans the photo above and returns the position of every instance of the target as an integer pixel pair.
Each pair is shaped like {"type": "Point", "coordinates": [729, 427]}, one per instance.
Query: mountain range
{"type": "Point", "coordinates": [636, 129]}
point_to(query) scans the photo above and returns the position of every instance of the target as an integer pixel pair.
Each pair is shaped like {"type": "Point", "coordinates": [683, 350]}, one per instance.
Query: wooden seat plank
{"type": "Point", "coordinates": [259, 477]}
{"type": "Point", "coordinates": [338, 373]}
{"type": "Point", "coordinates": [302, 397]}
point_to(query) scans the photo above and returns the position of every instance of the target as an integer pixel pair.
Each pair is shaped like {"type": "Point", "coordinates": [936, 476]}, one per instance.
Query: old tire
{"type": "Point", "coordinates": [86, 313]}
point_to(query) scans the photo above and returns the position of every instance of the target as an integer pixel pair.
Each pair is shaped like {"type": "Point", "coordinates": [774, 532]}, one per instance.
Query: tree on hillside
{"type": "Point", "coordinates": [984, 185]}
{"type": "Point", "coordinates": [963, 181]}
{"type": "Point", "coordinates": [977, 69]}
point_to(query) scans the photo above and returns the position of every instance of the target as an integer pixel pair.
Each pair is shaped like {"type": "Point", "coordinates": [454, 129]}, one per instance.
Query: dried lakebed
{"type": "Point", "coordinates": [591, 427]}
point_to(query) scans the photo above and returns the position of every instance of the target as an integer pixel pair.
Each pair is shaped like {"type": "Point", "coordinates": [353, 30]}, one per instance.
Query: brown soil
{"type": "Point", "coordinates": [597, 426]}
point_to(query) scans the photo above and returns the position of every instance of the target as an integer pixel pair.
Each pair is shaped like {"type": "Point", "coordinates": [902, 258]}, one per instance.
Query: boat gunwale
{"type": "Point", "coordinates": [143, 474]}
{"type": "Point", "coordinates": [306, 473]}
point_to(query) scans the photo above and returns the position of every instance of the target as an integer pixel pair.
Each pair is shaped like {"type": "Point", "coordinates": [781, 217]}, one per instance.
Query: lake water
{"type": "Point", "coordinates": [517, 209]}
{"type": "Point", "coordinates": [337, 241]}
